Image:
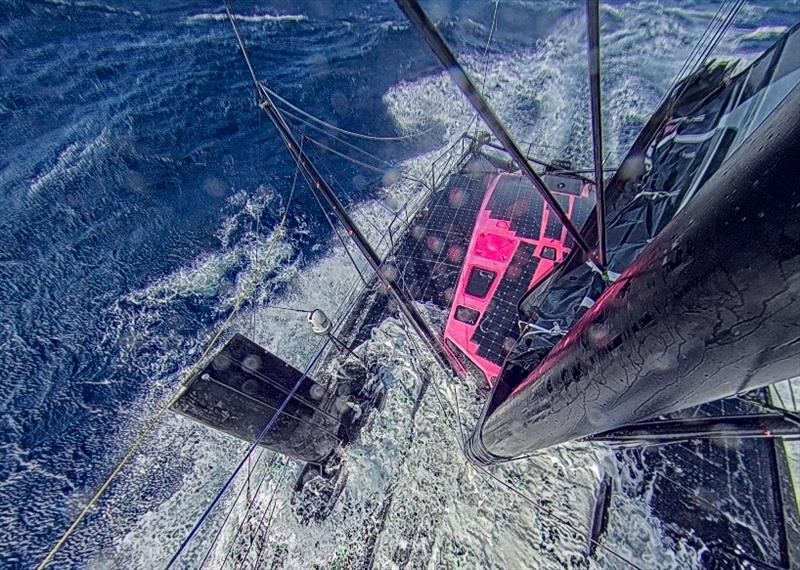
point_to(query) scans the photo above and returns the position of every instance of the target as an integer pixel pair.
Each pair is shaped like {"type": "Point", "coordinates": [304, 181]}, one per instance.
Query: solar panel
{"type": "Point", "coordinates": [553, 227]}
{"type": "Point", "coordinates": [500, 320]}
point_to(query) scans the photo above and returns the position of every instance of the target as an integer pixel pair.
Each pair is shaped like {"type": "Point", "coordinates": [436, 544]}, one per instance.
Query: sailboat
{"type": "Point", "coordinates": [656, 312]}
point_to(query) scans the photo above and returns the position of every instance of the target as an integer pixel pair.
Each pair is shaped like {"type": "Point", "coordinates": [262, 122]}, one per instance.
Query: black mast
{"type": "Point", "coordinates": [427, 30]}
{"type": "Point", "coordinates": [593, 37]}
{"type": "Point", "coordinates": [404, 303]}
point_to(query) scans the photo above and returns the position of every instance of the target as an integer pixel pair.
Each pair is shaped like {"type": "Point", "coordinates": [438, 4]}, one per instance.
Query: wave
{"type": "Point", "coordinates": [98, 7]}
{"type": "Point", "coordinates": [252, 19]}
{"type": "Point", "coordinates": [764, 33]}
{"type": "Point", "coordinates": [73, 159]}
{"type": "Point", "coordinates": [431, 473]}
{"type": "Point", "coordinates": [225, 275]}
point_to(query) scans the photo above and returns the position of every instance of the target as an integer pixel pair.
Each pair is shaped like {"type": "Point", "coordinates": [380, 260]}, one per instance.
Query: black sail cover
{"type": "Point", "coordinates": [706, 120]}
{"type": "Point", "coordinates": [240, 391]}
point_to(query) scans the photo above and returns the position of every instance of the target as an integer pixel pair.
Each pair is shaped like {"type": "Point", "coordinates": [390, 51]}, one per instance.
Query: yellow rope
{"type": "Point", "coordinates": [181, 387]}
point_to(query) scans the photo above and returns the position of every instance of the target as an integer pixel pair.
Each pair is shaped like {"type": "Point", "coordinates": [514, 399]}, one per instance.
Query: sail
{"type": "Point", "coordinates": [707, 225]}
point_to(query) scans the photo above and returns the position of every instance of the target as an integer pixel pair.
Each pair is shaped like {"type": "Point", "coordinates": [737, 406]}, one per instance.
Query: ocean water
{"type": "Point", "coordinates": [141, 191]}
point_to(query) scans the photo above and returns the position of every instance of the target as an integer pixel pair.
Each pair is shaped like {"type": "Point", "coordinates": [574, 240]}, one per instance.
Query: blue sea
{"type": "Point", "coordinates": [140, 183]}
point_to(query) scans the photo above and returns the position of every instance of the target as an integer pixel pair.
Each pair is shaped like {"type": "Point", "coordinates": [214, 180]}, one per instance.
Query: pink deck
{"type": "Point", "coordinates": [491, 248]}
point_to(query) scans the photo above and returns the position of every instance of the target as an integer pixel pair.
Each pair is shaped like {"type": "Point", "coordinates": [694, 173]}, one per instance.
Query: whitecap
{"type": "Point", "coordinates": [216, 17]}
{"type": "Point", "coordinates": [764, 33]}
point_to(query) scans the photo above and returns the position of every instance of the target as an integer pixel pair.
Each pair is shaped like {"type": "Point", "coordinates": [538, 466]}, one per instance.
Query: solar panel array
{"type": "Point", "coordinates": [430, 259]}
{"type": "Point", "coordinates": [430, 255]}
{"type": "Point", "coordinates": [499, 322]}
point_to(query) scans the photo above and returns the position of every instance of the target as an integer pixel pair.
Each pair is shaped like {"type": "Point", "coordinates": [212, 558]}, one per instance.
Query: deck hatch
{"type": "Point", "coordinates": [480, 281]}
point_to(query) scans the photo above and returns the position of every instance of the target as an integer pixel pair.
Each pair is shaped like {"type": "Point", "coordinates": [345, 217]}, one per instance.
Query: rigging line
{"type": "Point", "coordinates": [344, 156]}
{"type": "Point", "coordinates": [335, 231]}
{"type": "Point", "coordinates": [288, 203]}
{"type": "Point", "coordinates": [334, 137]}
{"type": "Point", "coordinates": [731, 18]}
{"type": "Point", "coordinates": [354, 160]}
{"type": "Point", "coordinates": [779, 397]}
{"type": "Point", "coordinates": [361, 163]}
{"type": "Point", "coordinates": [279, 308]}
{"type": "Point", "coordinates": [341, 188]}
{"type": "Point", "coordinates": [720, 32]}
{"type": "Point", "coordinates": [412, 349]}
{"type": "Point", "coordinates": [229, 12]}
{"type": "Point", "coordinates": [291, 415]}
{"type": "Point", "coordinates": [252, 447]}
{"type": "Point", "coordinates": [485, 59]}
{"type": "Point", "coordinates": [317, 120]}
{"type": "Point", "coordinates": [249, 475]}
{"type": "Point", "coordinates": [443, 253]}
{"type": "Point", "coordinates": [416, 15]}
{"type": "Point", "coordinates": [271, 504]}
{"type": "Point", "coordinates": [739, 556]}
{"type": "Point", "coordinates": [228, 514]}
{"type": "Point", "coordinates": [788, 414]}
{"type": "Point", "coordinates": [351, 296]}
{"type": "Point", "coordinates": [354, 287]}
{"type": "Point", "coordinates": [366, 249]}
{"type": "Point", "coordinates": [485, 63]}
{"type": "Point", "coordinates": [692, 54]}
{"type": "Point", "coordinates": [247, 291]}
{"type": "Point", "coordinates": [583, 171]}
{"type": "Point", "coordinates": [247, 512]}
{"type": "Point", "coordinates": [791, 393]}
{"type": "Point", "coordinates": [717, 35]}
{"type": "Point", "coordinates": [258, 233]}
{"type": "Point", "coordinates": [350, 299]}
{"type": "Point", "coordinates": [458, 413]}
{"type": "Point", "coordinates": [364, 164]}
{"type": "Point", "coordinates": [711, 28]}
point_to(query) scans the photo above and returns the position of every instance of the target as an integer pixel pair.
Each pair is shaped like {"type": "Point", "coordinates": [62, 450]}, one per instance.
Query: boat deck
{"type": "Point", "coordinates": [428, 258]}
{"type": "Point", "coordinates": [493, 223]}
{"type": "Point", "coordinates": [519, 239]}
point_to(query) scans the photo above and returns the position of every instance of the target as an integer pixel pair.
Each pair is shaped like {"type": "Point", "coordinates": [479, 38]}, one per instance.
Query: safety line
{"type": "Point", "coordinates": [233, 506]}
{"type": "Point", "coordinates": [247, 512]}
{"type": "Point", "coordinates": [333, 228]}
{"type": "Point", "coordinates": [334, 137]}
{"type": "Point", "coordinates": [346, 157]}
{"type": "Point", "coordinates": [271, 503]}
